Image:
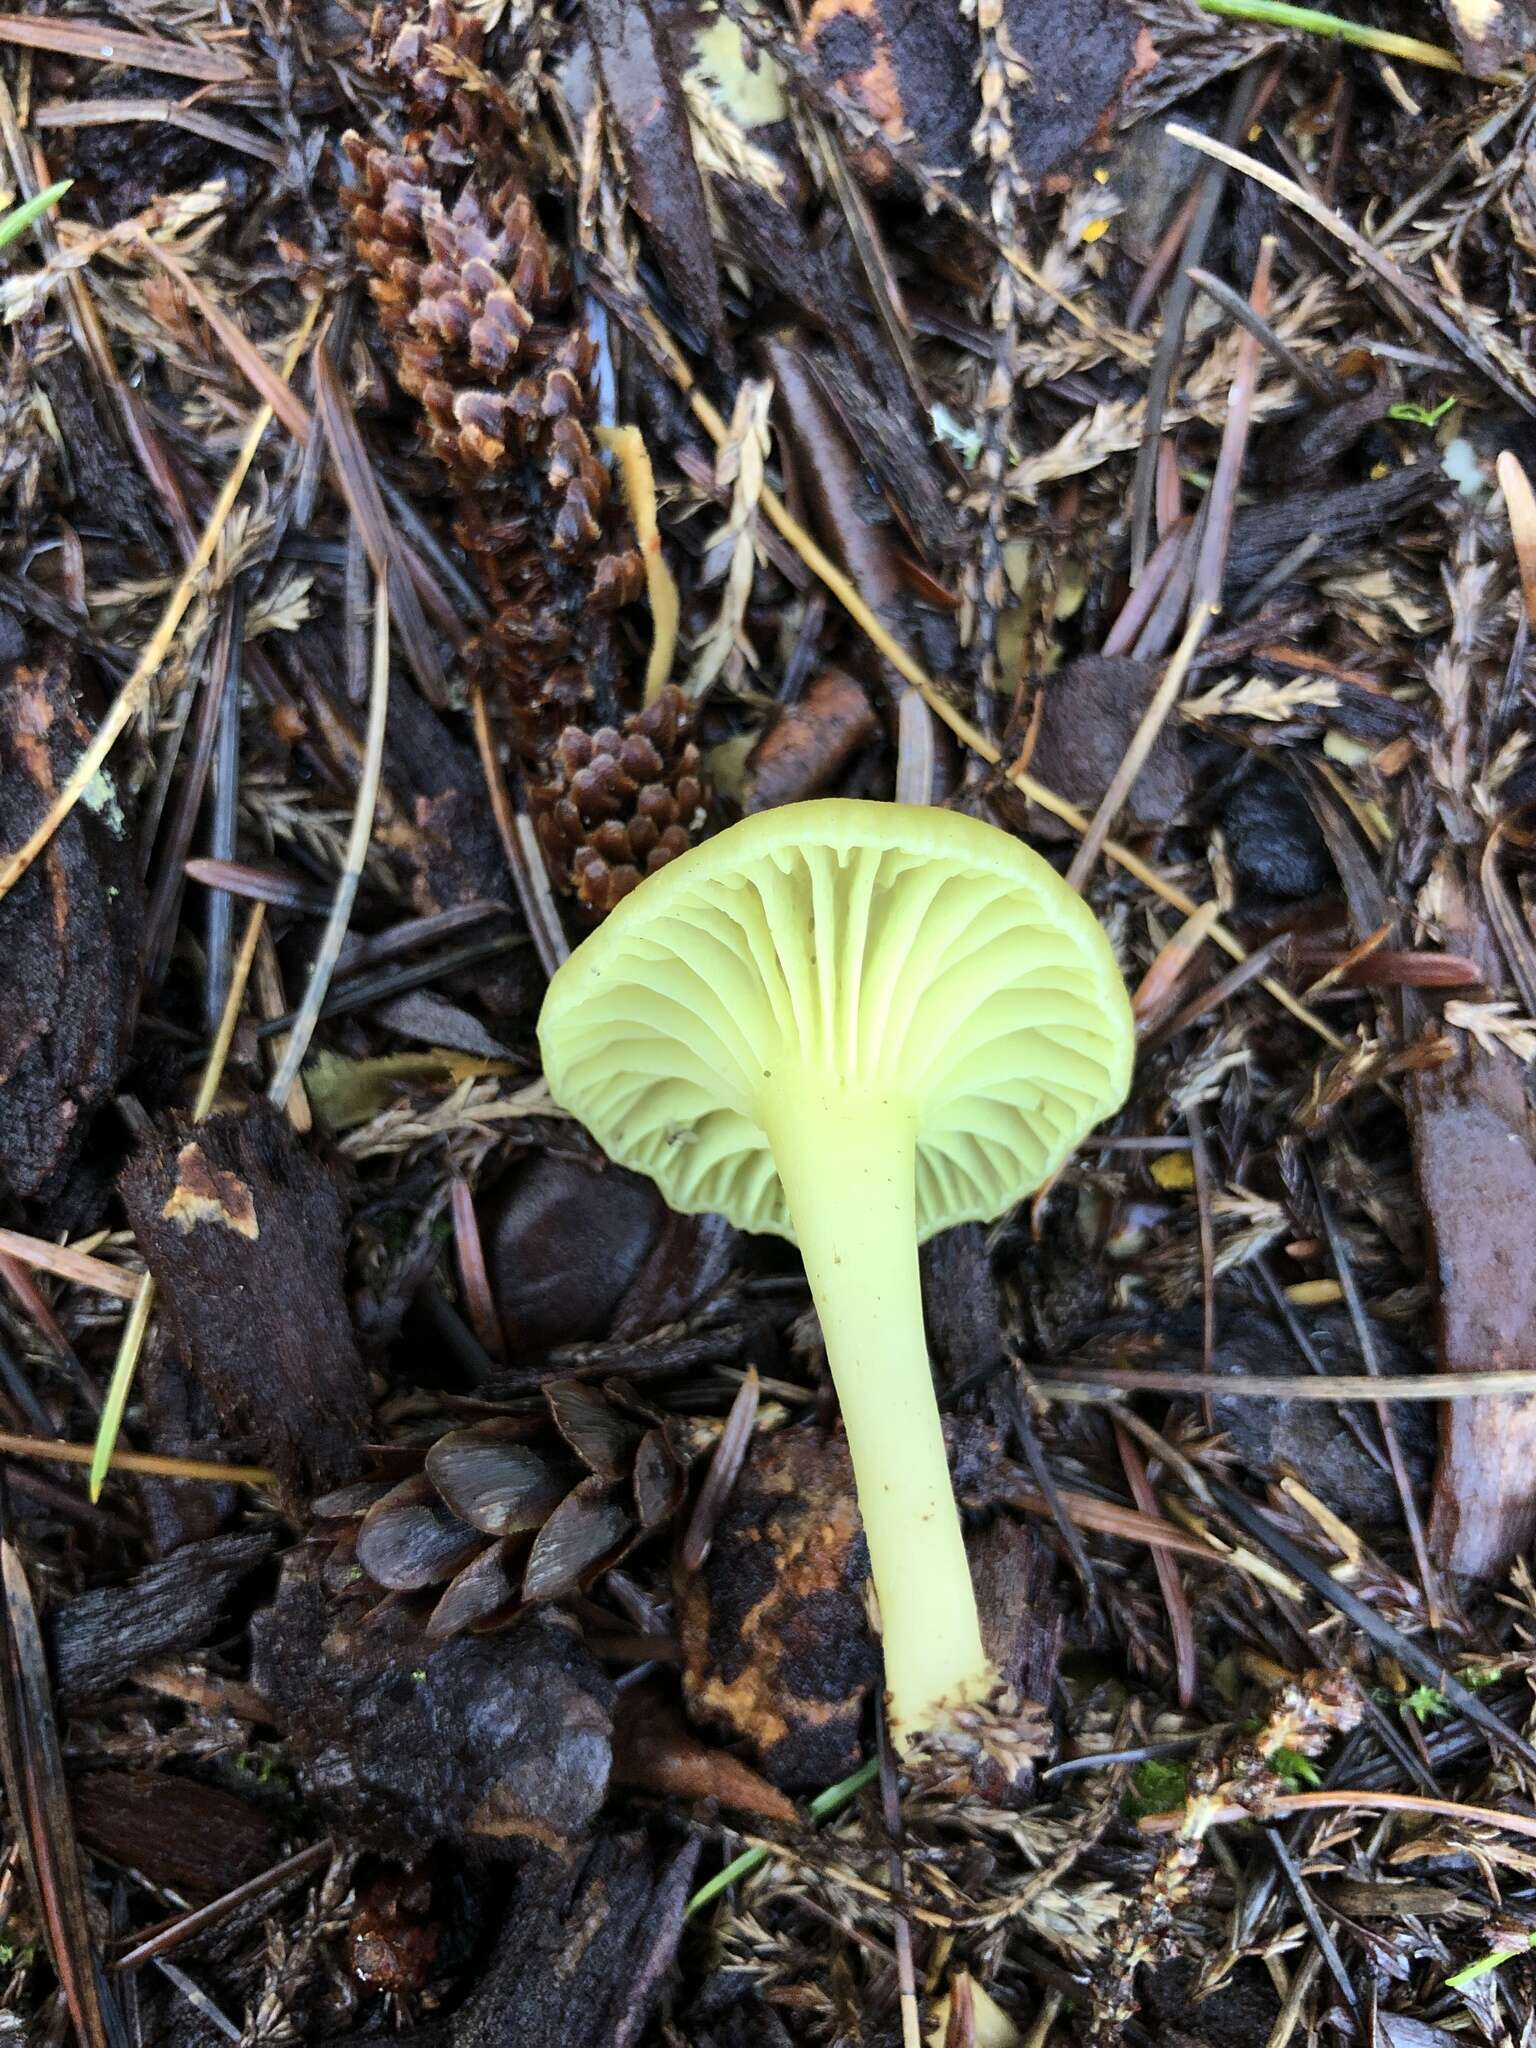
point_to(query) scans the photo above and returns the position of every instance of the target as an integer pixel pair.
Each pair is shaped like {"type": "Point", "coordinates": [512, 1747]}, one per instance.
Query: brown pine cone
{"type": "Point", "coordinates": [478, 311]}
{"type": "Point", "coordinates": [489, 340]}
{"type": "Point", "coordinates": [623, 803]}
{"type": "Point", "coordinates": [494, 1522]}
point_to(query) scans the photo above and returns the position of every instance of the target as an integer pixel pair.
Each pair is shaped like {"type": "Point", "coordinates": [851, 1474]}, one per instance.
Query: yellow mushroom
{"type": "Point", "coordinates": [855, 1024]}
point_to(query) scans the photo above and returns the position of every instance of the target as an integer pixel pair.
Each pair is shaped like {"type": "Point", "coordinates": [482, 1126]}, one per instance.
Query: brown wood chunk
{"type": "Point", "coordinates": [777, 1646]}
{"type": "Point", "coordinates": [806, 746]}
{"type": "Point", "coordinates": [198, 1839]}
{"type": "Point", "coordinates": [244, 1233]}
{"type": "Point", "coordinates": [69, 933]}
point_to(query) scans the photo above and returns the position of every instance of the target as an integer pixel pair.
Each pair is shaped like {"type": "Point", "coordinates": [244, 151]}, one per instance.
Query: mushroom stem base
{"type": "Point", "coordinates": [847, 1163]}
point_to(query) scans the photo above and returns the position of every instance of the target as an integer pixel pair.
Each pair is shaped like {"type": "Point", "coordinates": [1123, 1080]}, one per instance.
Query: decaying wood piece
{"type": "Point", "coordinates": [243, 1231]}
{"type": "Point", "coordinates": [1474, 1148]}
{"type": "Point", "coordinates": [777, 1645]}
{"type": "Point", "coordinates": [494, 1741]}
{"type": "Point", "coordinates": [806, 746]}
{"type": "Point", "coordinates": [585, 1949]}
{"type": "Point", "coordinates": [69, 930]}
{"type": "Point", "coordinates": [645, 102]}
{"type": "Point", "coordinates": [100, 1638]}
{"type": "Point", "coordinates": [199, 1839]}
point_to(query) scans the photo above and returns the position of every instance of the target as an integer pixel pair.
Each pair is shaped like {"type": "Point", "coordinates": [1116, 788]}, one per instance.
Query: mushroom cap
{"type": "Point", "coordinates": [908, 955]}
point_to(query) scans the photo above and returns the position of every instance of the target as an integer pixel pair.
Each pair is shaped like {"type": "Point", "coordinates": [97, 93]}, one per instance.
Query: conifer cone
{"type": "Point", "coordinates": [621, 804]}
{"type": "Point", "coordinates": [488, 339]}
{"type": "Point", "coordinates": [478, 311]}
{"type": "Point", "coordinates": [504, 1514]}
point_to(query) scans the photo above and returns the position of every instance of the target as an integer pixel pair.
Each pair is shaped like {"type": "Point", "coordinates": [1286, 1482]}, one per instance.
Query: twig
{"type": "Point", "coordinates": [1355, 1796]}
{"type": "Point", "coordinates": [901, 1925]}
{"type": "Point", "coordinates": [182, 1930]}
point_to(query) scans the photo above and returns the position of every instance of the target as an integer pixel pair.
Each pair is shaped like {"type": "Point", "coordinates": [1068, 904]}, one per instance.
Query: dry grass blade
{"type": "Point", "coordinates": [1520, 505]}
{"type": "Point", "coordinates": [1108, 1518]}
{"type": "Point", "coordinates": [39, 1800]}
{"type": "Point", "coordinates": [101, 43]}
{"type": "Point", "coordinates": [1104, 1383]}
{"type": "Point", "coordinates": [365, 501]}
{"type": "Point", "coordinates": [167, 113]}
{"type": "Point", "coordinates": [158, 1464]}
{"type": "Point", "coordinates": [1413, 294]}
{"type": "Point", "coordinates": [628, 449]}
{"type": "Point", "coordinates": [329, 950]}
{"type": "Point", "coordinates": [525, 861]}
{"type": "Point", "coordinates": [1353, 1798]}
{"type": "Point", "coordinates": [131, 699]}
{"type": "Point", "coordinates": [78, 1267]}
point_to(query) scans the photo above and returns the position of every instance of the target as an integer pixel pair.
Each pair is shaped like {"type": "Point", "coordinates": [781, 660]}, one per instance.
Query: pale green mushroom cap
{"type": "Point", "coordinates": [904, 955]}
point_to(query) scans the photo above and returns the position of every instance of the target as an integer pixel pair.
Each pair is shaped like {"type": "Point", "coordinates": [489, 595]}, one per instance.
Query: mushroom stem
{"type": "Point", "coordinates": [847, 1162]}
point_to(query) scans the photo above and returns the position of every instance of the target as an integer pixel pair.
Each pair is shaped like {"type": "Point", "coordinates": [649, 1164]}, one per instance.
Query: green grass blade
{"type": "Point", "coordinates": [20, 218]}
{"type": "Point", "coordinates": [819, 1808]}
{"type": "Point", "coordinates": [1281, 14]}
{"type": "Point", "coordinates": [129, 1345]}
